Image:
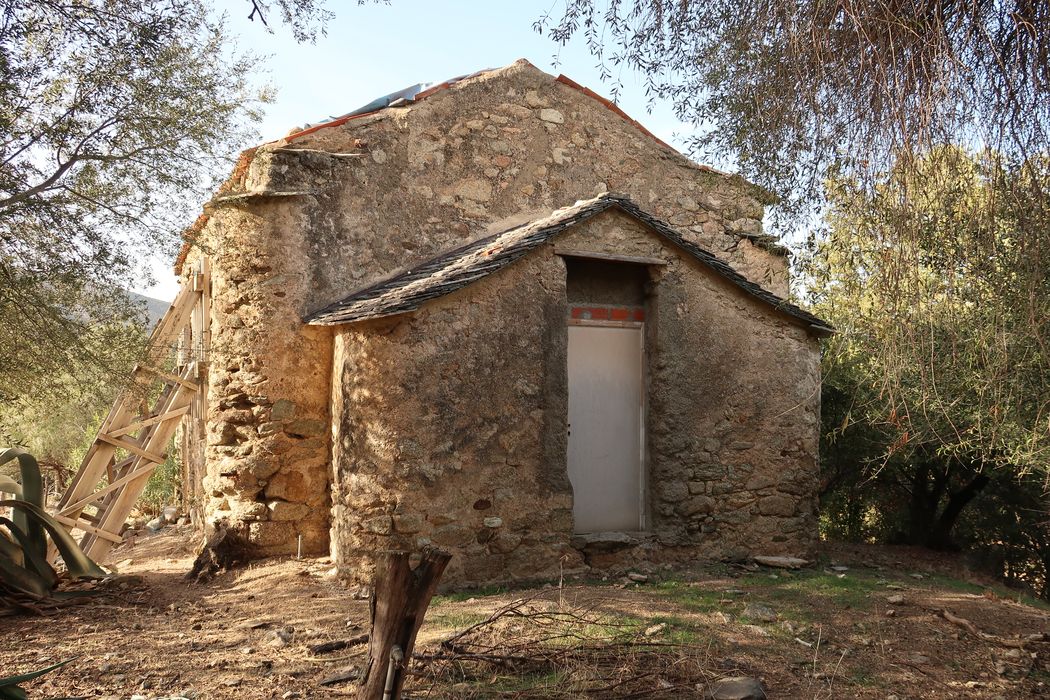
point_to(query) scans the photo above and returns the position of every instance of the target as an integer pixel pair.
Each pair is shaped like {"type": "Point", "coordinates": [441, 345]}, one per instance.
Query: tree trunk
{"type": "Point", "coordinates": [923, 507]}
{"type": "Point", "coordinates": [399, 602]}
{"type": "Point", "coordinates": [940, 537]}
{"type": "Point", "coordinates": [928, 524]}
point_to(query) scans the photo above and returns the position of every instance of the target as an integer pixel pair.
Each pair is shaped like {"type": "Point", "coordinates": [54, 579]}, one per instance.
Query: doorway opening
{"type": "Point", "coordinates": [606, 384]}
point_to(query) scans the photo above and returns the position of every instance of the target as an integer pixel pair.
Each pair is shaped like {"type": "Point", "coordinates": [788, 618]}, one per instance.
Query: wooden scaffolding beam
{"type": "Point", "coordinates": [131, 442]}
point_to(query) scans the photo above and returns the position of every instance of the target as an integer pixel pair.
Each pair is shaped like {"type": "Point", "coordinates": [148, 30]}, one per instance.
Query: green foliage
{"type": "Point", "coordinates": [57, 426]}
{"type": "Point", "coordinates": [788, 89]}
{"type": "Point", "coordinates": [940, 285]}
{"type": "Point", "coordinates": [1008, 533]}
{"type": "Point", "coordinates": [24, 569]}
{"type": "Point", "coordinates": [118, 118]}
{"type": "Point", "coordinates": [9, 689]}
{"type": "Point", "coordinates": [935, 410]}
{"type": "Point", "coordinates": [162, 489]}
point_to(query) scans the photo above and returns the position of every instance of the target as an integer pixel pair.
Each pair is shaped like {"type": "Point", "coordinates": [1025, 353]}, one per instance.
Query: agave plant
{"type": "Point", "coordinates": [9, 689]}
{"type": "Point", "coordinates": [24, 568]}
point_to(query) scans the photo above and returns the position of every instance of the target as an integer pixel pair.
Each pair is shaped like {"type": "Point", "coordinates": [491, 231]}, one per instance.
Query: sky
{"type": "Point", "coordinates": [374, 49]}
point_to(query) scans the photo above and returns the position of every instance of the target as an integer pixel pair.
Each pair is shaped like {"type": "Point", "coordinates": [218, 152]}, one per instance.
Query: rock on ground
{"type": "Point", "coordinates": [781, 562]}
{"type": "Point", "coordinates": [739, 688]}
{"type": "Point", "coordinates": [760, 613]}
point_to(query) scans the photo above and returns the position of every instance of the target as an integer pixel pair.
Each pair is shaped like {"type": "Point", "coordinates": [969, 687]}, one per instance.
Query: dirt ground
{"type": "Point", "coordinates": [840, 630]}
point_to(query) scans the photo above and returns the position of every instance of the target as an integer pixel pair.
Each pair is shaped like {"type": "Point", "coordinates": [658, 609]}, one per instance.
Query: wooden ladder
{"type": "Point", "coordinates": [131, 442]}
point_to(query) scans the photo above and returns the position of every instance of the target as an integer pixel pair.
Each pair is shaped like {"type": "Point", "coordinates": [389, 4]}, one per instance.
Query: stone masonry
{"type": "Point", "coordinates": [369, 435]}
{"type": "Point", "coordinates": [450, 423]}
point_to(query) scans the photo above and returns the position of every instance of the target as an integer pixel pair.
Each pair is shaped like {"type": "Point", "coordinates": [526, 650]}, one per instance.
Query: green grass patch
{"type": "Point", "coordinates": [613, 629]}
{"type": "Point", "coordinates": [1039, 676]}
{"type": "Point", "coordinates": [536, 684]}
{"type": "Point", "coordinates": [460, 596]}
{"type": "Point", "coordinates": [625, 628]}
{"type": "Point", "coordinates": [946, 582]}
{"type": "Point", "coordinates": [526, 682]}
{"type": "Point", "coordinates": [852, 590]}
{"type": "Point", "coordinates": [455, 619]}
{"type": "Point", "coordinates": [802, 596]}
{"type": "Point", "coordinates": [692, 598]}
{"type": "Point", "coordinates": [678, 631]}
{"type": "Point", "coordinates": [863, 677]}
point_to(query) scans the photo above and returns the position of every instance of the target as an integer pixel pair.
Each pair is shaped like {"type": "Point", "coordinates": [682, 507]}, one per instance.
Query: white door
{"type": "Point", "coordinates": [605, 427]}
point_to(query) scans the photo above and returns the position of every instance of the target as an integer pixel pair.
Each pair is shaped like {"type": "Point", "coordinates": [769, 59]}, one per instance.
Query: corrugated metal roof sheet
{"type": "Point", "coordinates": [414, 93]}
{"type": "Point", "coordinates": [454, 269]}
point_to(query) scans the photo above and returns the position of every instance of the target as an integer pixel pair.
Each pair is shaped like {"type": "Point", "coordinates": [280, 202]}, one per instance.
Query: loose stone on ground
{"type": "Point", "coordinates": [738, 688]}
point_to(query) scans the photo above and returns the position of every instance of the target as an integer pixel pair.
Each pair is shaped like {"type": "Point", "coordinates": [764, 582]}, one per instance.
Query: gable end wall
{"type": "Point", "coordinates": [378, 194]}
{"type": "Point", "coordinates": [452, 423]}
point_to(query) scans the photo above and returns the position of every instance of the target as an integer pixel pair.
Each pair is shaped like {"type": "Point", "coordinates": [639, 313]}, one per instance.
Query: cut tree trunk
{"type": "Point", "coordinates": [224, 549]}
{"type": "Point", "coordinates": [399, 601]}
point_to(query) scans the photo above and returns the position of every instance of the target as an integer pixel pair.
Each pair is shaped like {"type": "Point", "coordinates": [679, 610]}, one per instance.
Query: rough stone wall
{"type": "Point", "coordinates": [451, 430]}
{"type": "Point", "coordinates": [451, 422]}
{"type": "Point", "coordinates": [333, 210]}
{"type": "Point", "coordinates": [268, 436]}
{"type": "Point", "coordinates": [511, 142]}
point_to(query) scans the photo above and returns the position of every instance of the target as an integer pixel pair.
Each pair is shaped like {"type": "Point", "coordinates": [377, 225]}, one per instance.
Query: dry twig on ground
{"type": "Point", "coordinates": [534, 648]}
{"type": "Point", "coordinates": [1018, 643]}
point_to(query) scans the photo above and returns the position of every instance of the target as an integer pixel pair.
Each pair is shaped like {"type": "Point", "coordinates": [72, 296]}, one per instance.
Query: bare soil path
{"type": "Point", "coordinates": [867, 627]}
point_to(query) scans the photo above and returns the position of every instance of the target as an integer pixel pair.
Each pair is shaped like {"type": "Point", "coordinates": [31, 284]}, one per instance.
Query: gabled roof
{"type": "Point", "coordinates": [417, 93]}
{"type": "Point", "coordinates": [413, 93]}
{"type": "Point", "coordinates": [454, 269]}
{"type": "Point", "coordinates": [421, 91]}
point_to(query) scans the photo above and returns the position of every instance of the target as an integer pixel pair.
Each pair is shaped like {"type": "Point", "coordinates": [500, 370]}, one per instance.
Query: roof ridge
{"type": "Point", "coordinates": [406, 96]}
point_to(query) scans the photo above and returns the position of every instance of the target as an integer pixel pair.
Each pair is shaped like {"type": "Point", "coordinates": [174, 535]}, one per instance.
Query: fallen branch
{"type": "Point", "coordinates": [19, 603]}
{"type": "Point", "coordinates": [339, 644]}
{"type": "Point", "coordinates": [351, 674]}
{"type": "Point", "coordinates": [1019, 643]}
{"type": "Point", "coordinates": [513, 608]}
{"type": "Point", "coordinates": [497, 659]}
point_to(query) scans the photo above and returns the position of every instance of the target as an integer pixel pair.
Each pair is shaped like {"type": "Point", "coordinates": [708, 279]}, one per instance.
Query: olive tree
{"type": "Point", "coordinates": [117, 118]}
{"type": "Point", "coordinates": [787, 89]}
{"type": "Point", "coordinates": [935, 387]}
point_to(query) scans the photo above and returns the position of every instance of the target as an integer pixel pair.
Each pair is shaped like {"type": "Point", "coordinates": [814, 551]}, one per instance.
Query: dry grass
{"type": "Point", "coordinates": [542, 648]}
{"type": "Point", "coordinates": [832, 639]}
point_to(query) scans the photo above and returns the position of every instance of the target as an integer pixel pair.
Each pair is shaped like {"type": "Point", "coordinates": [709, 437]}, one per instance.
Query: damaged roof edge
{"type": "Point", "coordinates": [457, 268]}
{"type": "Point", "coordinates": [422, 91]}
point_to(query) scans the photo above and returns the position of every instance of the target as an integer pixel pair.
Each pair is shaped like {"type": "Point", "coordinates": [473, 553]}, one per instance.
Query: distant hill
{"type": "Point", "coordinates": [153, 308]}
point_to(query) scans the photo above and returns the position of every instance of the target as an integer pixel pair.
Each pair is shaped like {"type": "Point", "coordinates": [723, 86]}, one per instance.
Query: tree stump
{"type": "Point", "coordinates": [223, 549]}
{"type": "Point", "coordinates": [400, 599]}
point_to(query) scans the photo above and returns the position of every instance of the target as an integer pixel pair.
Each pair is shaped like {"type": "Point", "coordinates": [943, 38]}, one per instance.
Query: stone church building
{"type": "Point", "coordinates": [499, 316]}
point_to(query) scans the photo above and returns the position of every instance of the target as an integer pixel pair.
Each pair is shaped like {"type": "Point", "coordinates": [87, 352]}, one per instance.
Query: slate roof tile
{"type": "Point", "coordinates": [454, 269]}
